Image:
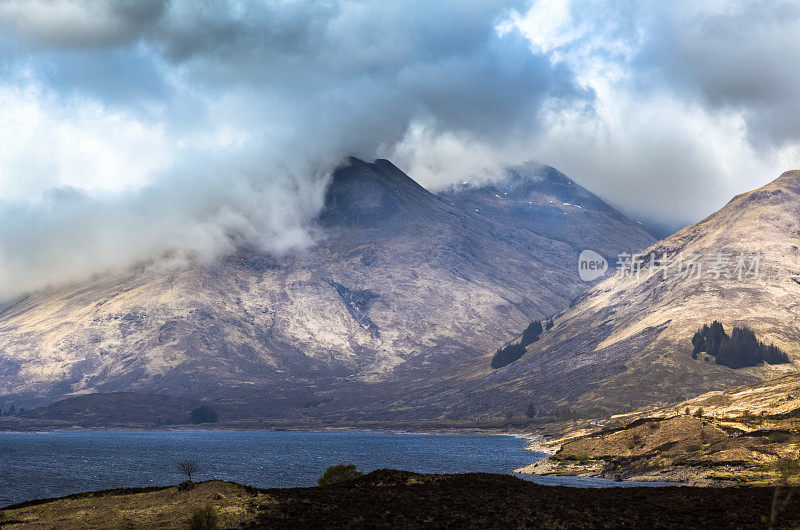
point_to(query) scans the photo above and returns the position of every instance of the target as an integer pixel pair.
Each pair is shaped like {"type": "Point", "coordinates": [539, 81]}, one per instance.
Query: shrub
{"type": "Point", "coordinates": [778, 437]}
{"type": "Point", "coordinates": [787, 468]}
{"type": "Point", "coordinates": [339, 473]}
{"type": "Point", "coordinates": [582, 457]}
{"type": "Point", "coordinates": [204, 518]}
{"type": "Point", "coordinates": [699, 412]}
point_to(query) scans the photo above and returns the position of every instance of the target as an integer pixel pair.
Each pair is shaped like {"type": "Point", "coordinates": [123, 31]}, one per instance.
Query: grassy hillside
{"type": "Point", "coordinates": [738, 436]}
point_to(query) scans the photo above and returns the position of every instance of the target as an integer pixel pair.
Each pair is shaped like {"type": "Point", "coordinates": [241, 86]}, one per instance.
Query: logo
{"type": "Point", "coordinates": [591, 265]}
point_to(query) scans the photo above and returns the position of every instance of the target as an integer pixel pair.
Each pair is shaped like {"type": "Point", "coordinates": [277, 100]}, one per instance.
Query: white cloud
{"type": "Point", "coordinates": [191, 127]}
{"type": "Point", "coordinates": [658, 143]}
{"type": "Point", "coordinates": [48, 141]}
{"type": "Point", "coordinates": [185, 129]}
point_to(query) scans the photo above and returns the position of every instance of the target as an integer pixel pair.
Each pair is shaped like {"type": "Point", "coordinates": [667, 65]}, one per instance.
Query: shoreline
{"type": "Point", "coordinates": [409, 427]}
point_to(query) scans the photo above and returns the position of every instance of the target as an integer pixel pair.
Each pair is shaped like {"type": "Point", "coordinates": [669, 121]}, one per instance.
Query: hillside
{"type": "Point", "coordinates": [627, 342]}
{"type": "Point", "coordinates": [401, 289]}
{"type": "Point", "coordinates": [736, 436]}
{"type": "Point", "coordinates": [115, 408]}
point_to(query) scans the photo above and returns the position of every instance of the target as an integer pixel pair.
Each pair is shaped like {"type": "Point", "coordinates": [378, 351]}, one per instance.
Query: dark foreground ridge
{"type": "Point", "coordinates": [400, 499]}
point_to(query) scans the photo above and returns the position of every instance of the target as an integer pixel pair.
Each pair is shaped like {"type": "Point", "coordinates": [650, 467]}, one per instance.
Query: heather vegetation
{"type": "Point", "coordinates": [738, 350]}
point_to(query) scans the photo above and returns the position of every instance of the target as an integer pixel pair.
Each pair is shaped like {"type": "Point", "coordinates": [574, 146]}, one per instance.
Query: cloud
{"type": "Point", "coordinates": [138, 129]}
{"type": "Point", "coordinates": [142, 129]}
{"type": "Point", "coordinates": [744, 56]}
{"type": "Point", "coordinates": [695, 102]}
{"type": "Point", "coordinates": [79, 23]}
{"type": "Point", "coordinates": [69, 235]}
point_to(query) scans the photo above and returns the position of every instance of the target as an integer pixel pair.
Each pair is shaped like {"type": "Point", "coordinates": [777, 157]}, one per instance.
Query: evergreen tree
{"type": "Point", "coordinates": [738, 350]}
{"type": "Point", "coordinates": [716, 335]}
{"type": "Point", "coordinates": [742, 349]}
{"type": "Point", "coordinates": [507, 355]}
{"type": "Point", "coordinates": [774, 355]}
{"type": "Point", "coordinates": [532, 332]}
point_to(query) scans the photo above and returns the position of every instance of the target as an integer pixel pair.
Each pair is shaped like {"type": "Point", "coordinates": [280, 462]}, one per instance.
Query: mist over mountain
{"type": "Point", "coordinates": [401, 288]}
{"type": "Point", "coordinates": [172, 129]}
{"type": "Point", "coordinates": [138, 129]}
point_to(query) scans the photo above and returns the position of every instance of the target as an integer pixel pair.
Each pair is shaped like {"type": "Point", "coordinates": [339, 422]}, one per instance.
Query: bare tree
{"type": "Point", "coordinates": [187, 467]}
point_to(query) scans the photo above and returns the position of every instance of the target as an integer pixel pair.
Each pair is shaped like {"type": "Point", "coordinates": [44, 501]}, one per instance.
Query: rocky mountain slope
{"type": "Point", "coordinates": [627, 342]}
{"type": "Point", "coordinates": [403, 288]}
{"type": "Point", "coordinates": [544, 201]}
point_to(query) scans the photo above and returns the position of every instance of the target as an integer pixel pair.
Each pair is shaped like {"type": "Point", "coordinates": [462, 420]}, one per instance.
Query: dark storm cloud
{"type": "Point", "coordinates": [744, 56]}
{"type": "Point", "coordinates": [85, 24]}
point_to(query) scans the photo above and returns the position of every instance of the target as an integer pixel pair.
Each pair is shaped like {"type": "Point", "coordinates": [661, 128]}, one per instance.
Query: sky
{"type": "Point", "coordinates": [174, 130]}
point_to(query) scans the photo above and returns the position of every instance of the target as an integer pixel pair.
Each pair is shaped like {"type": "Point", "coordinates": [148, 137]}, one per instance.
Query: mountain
{"type": "Point", "coordinates": [628, 341]}
{"type": "Point", "coordinates": [542, 200]}
{"type": "Point", "coordinates": [402, 288]}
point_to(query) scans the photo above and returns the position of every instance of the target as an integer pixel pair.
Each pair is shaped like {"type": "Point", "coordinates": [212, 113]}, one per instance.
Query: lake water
{"type": "Point", "coordinates": [41, 465]}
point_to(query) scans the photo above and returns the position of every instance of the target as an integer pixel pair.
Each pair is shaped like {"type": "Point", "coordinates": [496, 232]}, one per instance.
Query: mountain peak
{"type": "Point", "coordinates": [369, 194]}
{"type": "Point", "coordinates": [783, 189]}
{"type": "Point", "coordinates": [788, 179]}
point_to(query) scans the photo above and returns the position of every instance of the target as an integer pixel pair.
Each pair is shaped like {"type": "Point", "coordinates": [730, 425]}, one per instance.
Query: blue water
{"type": "Point", "coordinates": [42, 465]}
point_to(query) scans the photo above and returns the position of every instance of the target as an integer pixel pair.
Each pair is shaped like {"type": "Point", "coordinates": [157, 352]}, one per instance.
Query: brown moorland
{"type": "Point", "coordinates": [394, 499]}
